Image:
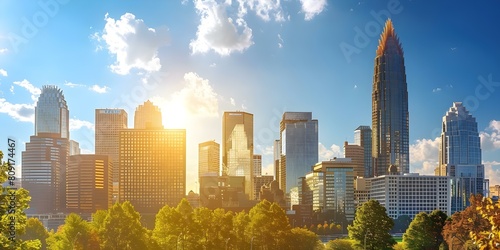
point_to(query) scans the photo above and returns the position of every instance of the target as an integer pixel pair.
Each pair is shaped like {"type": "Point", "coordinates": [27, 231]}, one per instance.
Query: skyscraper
{"type": "Point", "coordinates": [460, 155]}
{"type": "Point", "coordinates": [89, 184]}
{"type": "Point", "coordinates": [147, 116]}
{"type": "Point", "coordinates": [152, 166]}
{"type": "Point", "coordinates": [108, 123]}
{"type": "Point", "coordinates": [276, 157]}
{"type": "Point", "coordinates": [257, 165]}
{"type": "Point", "coordinates": [45, 159]}
{"type": "Point", "coordinates": [363, 137]}
{"type": "Point", "coordinates": [390, 118]}
{"type": "Point", "coordinates": [237, 147]}
{"type": "Point", "coordinates": [299, 147]}
{"type": "Point", "coordinates": [356, 154]}
{"type": "Point", "coordinates": [208, 158]}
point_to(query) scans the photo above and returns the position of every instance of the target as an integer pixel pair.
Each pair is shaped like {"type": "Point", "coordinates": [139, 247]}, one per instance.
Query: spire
{"type": "Point", "coordinates": [388, 34]}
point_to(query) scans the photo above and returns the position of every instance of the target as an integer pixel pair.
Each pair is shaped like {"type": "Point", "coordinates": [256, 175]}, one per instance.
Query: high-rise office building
{"type": "Point", "coordinates": [299, 147]}
{"type": "Point", "coordinates": [152, 167]}
{"type": "Point", "coordinates": [330, 187]}
{"type": "Point", "coordinates": [208, 158]}
{"type": "Point", "coordinates": [148, 116]}
{"type": "Point", "coordinates": [258, 182]}
{"type": "Point", "coordinates": [460, 155]}
{"type": "Point", "coordinates": [108, 123]}
{"type": "Point", "coordinates": [276, 157]}
{"type": "Point", "coordinates": [74, 147]}
{"type": "Point", "coordinates": [45, 159]}
{"type": "Point", "coordinates": [89, 183]}
{"type": "Point", "coordinates": [390, 118]}
{"type": "Point", "coordinates": [357, 155]}
{"type": "Point", "coordinates": [363, 138]}
{"type": "Point", "coordinates": [237, 147]}
{"type": "Point", "coordinates": [257, 165]}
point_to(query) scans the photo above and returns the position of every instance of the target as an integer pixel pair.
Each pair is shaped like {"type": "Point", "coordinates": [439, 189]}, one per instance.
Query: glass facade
{"type": "Point", "coordinates": [299, 147]}
{"type": "Point", "coordinates": [208, 158]}
{"type": "Point", "coordinates": [363, 137]}
{"type": "Point", "coordinates": [51, 113]}
{"type": "Point", "coordinates": [237, 144]}
{"type": "Point", "coordinates": [390, 118]}
{"type": "Point", "coordinates": [460, 155]}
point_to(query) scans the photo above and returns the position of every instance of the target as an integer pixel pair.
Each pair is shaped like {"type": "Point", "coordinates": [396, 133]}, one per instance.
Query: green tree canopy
{"type": "Point", "coordinates": [76, 233]}
{"type": "Point", "coordinates": [340, 244]}
{"type": "Point", "coordinates": [35, 231]}
{"type": "Point", "coordinates": [373, 224]}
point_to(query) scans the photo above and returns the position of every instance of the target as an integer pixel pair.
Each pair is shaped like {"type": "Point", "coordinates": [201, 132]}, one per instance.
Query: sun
{"type": "Point", "coordinates": [174, 114]}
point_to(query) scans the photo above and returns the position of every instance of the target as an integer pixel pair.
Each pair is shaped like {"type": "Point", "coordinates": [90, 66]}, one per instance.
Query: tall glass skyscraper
{"type": "Point", "coordinates": [46, 156]}
{"type": "Point", "coordinates": [237, 147]}
{"type": "Point", "coordinates": [460, 155]}
{"type": "Point", "coordinates": [363, 138]}
{"type": "Point", "coordinates": [51, 113]}
{"type": "Point", "coordinates": [390, 121]}
{"type": "Point", "coordinates": [299, 148]}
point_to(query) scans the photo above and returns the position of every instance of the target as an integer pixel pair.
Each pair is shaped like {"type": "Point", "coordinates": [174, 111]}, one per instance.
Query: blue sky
{"type": "Point", "coordinates": [197, 59]}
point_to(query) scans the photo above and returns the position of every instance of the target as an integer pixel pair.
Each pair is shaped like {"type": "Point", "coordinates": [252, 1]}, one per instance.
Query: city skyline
{"type": "Point", "coordinates": [193, 87]}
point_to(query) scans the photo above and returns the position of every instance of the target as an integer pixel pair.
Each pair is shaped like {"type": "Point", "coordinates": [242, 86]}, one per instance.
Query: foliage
{"type": "Point", "coordinates": [76, 233]}
{"type": "Point", "coordinates": [35, 231]}
{"type": "Point", "coordinates": [425, 231]}
{"type": "Point", "coordinates": [17, 217]}
{"type": "Point", "coordinates": [300, 238]}
{"type": "Point", "coordinates": [458, 229]}
{"type": "Point", "coordinates": [401, 224]}
{"type": "Point", "coordinates": [340, 244]}
{"type": "Point", "coordinates": [122, 229]}
{"type": "Point", "coordinates": [372, 225]}
{"type": "Point", "coordinates": [489, 238]}
{"type": "Point", "coordinates": [268, 224]}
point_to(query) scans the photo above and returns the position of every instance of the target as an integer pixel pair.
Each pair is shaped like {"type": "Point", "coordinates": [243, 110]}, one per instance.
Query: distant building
{"type": "Point", "coordinates": [152, 165]}
{"type": "Point", "coordinates": [226, 192]}
{"type": "Point", "coordinates": [74, 147]}
{"type": "Point", "coordinates": [258, 182]}
{"type": "Point", "coordinates": [148, 116]}
{"type": "Point", "coordinates": [357, 155]}
{"type": "Point", "coordinates": [89, 183]}
{"type": "Point", "coordinates": [460, 156]}
{"type": "Point", "coordinates": [330, 186]}
{"type": "Point", "coordinates": [410, 194]}
{"type": "Point", "coordinates": [299, 147]}
{"type": "Point", "coordinates": [45, 159]}
{"type": "Point", "coordinates": [276, 157]}
{"type": "Point", "coordinates": [272, 193]}
{"type": "Point", "coordinates": [257, 165]}
{"type": "Point", "coordinates": [108, 123]}
{"type": "Point", "coordinates": [208, 158]}
{"type": "Point", "coordinates": [363, 138]}
{"type": "Point", "coordinates": [390, 117]}
{"type": "Point", "coordinates": [237, 147]}
{"type": "Point", "coordinates": [193, 199]}
{"type": "Point", "coordinates": [361, 191]}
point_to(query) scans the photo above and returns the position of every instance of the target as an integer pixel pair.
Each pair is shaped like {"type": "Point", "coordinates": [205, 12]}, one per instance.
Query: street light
{"type": "Point", "coordinates": [367, 232]}
{"type": "Point", "coordinates": [251, 243]}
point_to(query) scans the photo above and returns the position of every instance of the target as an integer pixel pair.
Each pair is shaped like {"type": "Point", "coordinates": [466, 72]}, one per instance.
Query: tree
{"type": "Point", "coordinates": [372, 225]}
{"type": "Point", "coordinates": [13, 220]}
{"type": "Point", "coordinates": [35, 231]}
{"type": "Point", "coordinates": [490, 238]}
{"type": "Point", "coordinates": [340, 244]}
{"type": "Point", "coordinates": [425, 231]}
{"type": "Point", "coordinates": [122, 229]}
{"type": "Point", "coordinates": [76, 233]}
{"type": "Point", "coordinates": [299, 238]}
{"type": "Point", "coordinates": [240, 238]}
{"type": "Point", "coordinates": [268, 224]}
{"type": "Point", "coordinates": [457, 230]}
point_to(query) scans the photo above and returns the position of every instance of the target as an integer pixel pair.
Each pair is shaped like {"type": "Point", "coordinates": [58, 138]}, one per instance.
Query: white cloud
{"type": "Point", "coordinates": [232, 101]}
{"type": "Point", "coordinates": [424, 156]}
{"type": "Point", "coordinates": [268, 169]}
{"type": "Point", "coordinates": [75, 124]}
{"type": "Point", "coordinates": [98, 89]}
{"type": "Point", "coordinates": [263, 8]}
{"type": "Point", "coordinates": [436, 90]}
{"type": "Point", "coordinates": [3, 51]}
{"type": "Point", "coordinates": [133, 43]}
{"type": "Point", "coordinates": [72, 85]}
{"type": "Point", "coordinates": [213, 65]}
{"type": "Point", "coordinates": [85, 151]}
{"type": "Point", "coordinates": [490, 137]}
{"type": "Point", "coordinates": [280, 43]}
{"type": "Point", "coordinates": [355, 86]}
{"type": "Point", "coordinates": [3, 72]}
{"type": "Point", "coordinates": [326, 154]}
{"type": "Point", "coordinates": [492, 171]}
{"type": "Point", "coordinates": [34, 91]}
{"type": "Point", "coordinates": [218, 32]}
{"type": "Point", "coordinates": [267, 150]}
{"type": "Point", "coordinates": [312, 8]}
{"type": "Point", "coordinates": [12, 89]}
{"type": "Point", "coordinates": [20, 112]}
